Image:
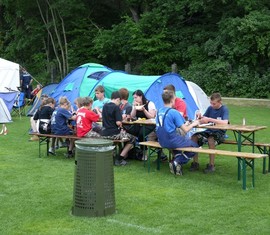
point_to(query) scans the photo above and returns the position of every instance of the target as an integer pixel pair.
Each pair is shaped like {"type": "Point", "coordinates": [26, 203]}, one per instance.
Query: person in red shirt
{"type": "Point", "coordinates": [85, 119]}
{"type": "Point", "coordinates": [36, 90]}
{"type": "Point", "coordinates": [179, 104]}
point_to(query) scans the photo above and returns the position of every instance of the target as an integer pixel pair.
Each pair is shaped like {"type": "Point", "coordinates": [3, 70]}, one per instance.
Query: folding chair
{"type": "Point", "coordinates": [19, 105]}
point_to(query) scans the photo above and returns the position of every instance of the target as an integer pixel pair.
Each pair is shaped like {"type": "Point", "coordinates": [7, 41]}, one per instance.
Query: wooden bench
{"type": "Point", "coordinates": [45, 138]}
{"type": "Point", "coordinates": [264, 148]}
{"type": "Point", "coordinates": [244, 159]}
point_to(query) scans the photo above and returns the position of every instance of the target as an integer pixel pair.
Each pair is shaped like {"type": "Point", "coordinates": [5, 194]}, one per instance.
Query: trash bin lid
{"type": "Point", "coordinates": [93, 142]}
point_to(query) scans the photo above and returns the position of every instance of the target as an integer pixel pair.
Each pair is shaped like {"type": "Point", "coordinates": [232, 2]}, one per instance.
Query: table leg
{"type": "Point", "coordinates": [239, 141]}
{"type": "Point", "coordinates": [148, 157]}
{"type": "Point", "coordinates": [253, 141]}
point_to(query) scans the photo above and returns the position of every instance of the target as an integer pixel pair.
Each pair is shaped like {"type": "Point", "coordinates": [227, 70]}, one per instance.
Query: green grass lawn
{"type": "Point", "coordinates": [36, 194]}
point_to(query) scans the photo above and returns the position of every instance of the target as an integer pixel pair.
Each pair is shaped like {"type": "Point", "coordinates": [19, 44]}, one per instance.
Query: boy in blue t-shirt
{"type": "Point", "coordinates": [168, 123]}
{"type": "Point", "coordinates": [101, 100]}
{"type": "Point", "coordinates": [59, 121]}
{"type": "Point", "coordinates": [218, 114]}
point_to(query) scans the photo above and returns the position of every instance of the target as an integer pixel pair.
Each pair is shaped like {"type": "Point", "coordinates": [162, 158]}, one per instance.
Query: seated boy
{"type": "Point", "coordinates": [59, 122]}
{"type": "Point", "coordinates": [101, 100]}
{"type": "Point", "coordinates": [168, 120]}
{"type": "Point", "coordinates": [112, 126]}
{"type": "Point", "coordinates": [215, 113]}
{"type": "Point", "coordinates": [85, 118]}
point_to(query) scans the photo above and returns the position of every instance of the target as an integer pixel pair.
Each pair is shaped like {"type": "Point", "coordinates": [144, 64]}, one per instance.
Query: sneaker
{"type": "Point", "coordinates": [209, 169]}
{"type": "Point", "coordinates": [178, 169]}
{"type": "Point", "coordinates": [194, 166]}
{"type": "Point", "coordinates": [51, 151]}
{"type": "Point", "coordinates": [69, 155]}
{"type": "Point", "coordinates": [120, 163]}
{"type": "Point", "coordinates": [123, 162]}
{"type": "Point", "coordinates": [144, 158]}
{"type": "Point", "coordinates": [172, 167]}
{"type": "Point", "coordinates": [56, 147]}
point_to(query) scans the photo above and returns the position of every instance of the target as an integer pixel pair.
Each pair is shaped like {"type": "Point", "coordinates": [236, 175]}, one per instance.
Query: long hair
{"type": "Point", "coordinates": [140, 93]}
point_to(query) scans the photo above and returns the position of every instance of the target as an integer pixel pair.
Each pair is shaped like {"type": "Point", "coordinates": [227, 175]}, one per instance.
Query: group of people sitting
{"type": "Point", "coordinates": [171, 128]}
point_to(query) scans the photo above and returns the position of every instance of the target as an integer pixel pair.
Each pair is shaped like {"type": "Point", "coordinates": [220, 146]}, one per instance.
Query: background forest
{"type": "Point", "coordinates": [222, 45]}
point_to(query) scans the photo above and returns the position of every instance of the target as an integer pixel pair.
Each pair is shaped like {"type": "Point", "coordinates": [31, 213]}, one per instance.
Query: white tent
{"type": "Point", "coordinates": [9, 75]}
{"type": "Point", "coordinates": [4, 117]}
{"type": "Point", "coordinates": [4, 113]}
{"type": "Point", "coordinates": [199, 96]}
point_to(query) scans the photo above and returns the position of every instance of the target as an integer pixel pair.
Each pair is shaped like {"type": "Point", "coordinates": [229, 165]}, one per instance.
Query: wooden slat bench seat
{"type": "Point", "coordinates": [264, 148]}
{"type": "Point", "coordinates": [246, 143]}
{"type": "Point", "coordinates": [244, 158]}
{"type": "Point", "coordinates": [45, 138]}
{"type": "Point", "coordinates": [119, 144]}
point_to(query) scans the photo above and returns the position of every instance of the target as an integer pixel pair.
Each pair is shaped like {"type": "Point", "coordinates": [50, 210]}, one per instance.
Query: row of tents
{"type": "Point", "coordinates": [83, 80]}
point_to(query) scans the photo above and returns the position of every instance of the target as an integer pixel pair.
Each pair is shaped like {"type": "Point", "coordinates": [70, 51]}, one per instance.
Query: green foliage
{"type": "Point", "coordinates": [218, 44]}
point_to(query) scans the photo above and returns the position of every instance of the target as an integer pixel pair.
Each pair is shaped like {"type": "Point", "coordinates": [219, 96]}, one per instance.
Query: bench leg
{"type": "Point", "coordinates": [253, 175]}
{"type": "Point", "coordinates": [268, 153]}
{"type": "Point", "coordinates": [150, 151]}
{"type": "Point", "coordinates": [264, 161]}
{"type": "Point", "coordinates": [251, 164]}
{"type": "Point", "coordinates": [39, 144]}
{"type": "Point", "coordinates": [239, 162]}
{"type": "Point", "coordinates": [244, 174]}
{"type": "Point", "coordinates": [264, 151]}
{"type": "Point", "coordinates": [148, 158]}
{"type": "Point", "coordinates": [48, 145]}
{"type": "Point", "coordinates": [41, 139]}
{"type": "Point", "coordinates": [159, 159]}
{"type": "Point", "coordinates": [269, 160]}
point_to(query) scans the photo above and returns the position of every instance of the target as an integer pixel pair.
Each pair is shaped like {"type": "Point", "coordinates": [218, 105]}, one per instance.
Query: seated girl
{"type": "Point", "coordinates": [142, 108]}
{"type": "Point", "coordinates": [44, 115]}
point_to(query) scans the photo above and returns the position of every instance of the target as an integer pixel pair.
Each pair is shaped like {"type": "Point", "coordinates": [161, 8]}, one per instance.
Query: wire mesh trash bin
{"type": "Point", "coordinates": [93, 193]}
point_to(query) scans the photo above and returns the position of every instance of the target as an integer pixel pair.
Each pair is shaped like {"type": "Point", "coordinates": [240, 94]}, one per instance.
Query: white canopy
{"type": "Point", "coordinates": [9, 75]}
{"type": "Point", "coordinates": [199, 96]}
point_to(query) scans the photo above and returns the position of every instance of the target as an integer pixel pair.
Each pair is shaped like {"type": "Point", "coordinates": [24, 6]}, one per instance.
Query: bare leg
{"type": "Point", "coordinates": [195, 139]}
{"type": "Point", "coordinates": [211, 144]}
{"type": "Point", "coordinates": [71, 144]}
{"type": "Point", "coordinates": [125, 150]}
{"type": "Point", "coordinates": [53, 143]}
{"type": "Point", "coordinates": [33, 124]}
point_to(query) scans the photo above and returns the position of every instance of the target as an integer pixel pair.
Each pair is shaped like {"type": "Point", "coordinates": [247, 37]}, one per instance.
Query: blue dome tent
{"type": "Point", "coordinates": [80, 81]}
{"type": "Point", "coordinates": [152, 86]}
{"type": "Point", "coordinates": [83, 80]}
